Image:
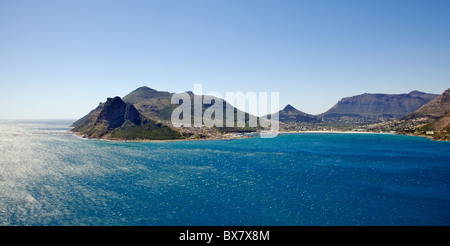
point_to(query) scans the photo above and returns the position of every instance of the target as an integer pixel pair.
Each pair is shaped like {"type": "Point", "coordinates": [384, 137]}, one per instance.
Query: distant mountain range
{"type": "Point", "coordinates": [430, 120]}
{"type": "Point", "coordinates": [374, 107]}
{"type": "Point", "coordinates": [145, 113]}
{"type": "Point", "coordinates": [365, 108]}
{"type": "Point", "coordinates": [436, 108]}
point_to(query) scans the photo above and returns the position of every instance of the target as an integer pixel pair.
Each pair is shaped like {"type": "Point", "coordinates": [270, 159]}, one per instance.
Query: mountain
{"type": "Point", "coordinates": [438, 110]}
{"type": "Point", "coordinates": [291, 114]}
{"type": "Point", "coordinates": [116, 119]}
{"type": "Point", "coordinates": [152, 103]}
{"type": "Point", "coordinates": [157, 105]}
{"type": "Point", "coordinates": [431, 120]}
{"type": "Point", "coordinates": [146, 113]}
{"type": "Point", "coordinates": [375, 107]}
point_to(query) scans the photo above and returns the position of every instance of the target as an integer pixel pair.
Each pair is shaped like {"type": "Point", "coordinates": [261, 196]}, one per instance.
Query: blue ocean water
{"type": "Point", "coordinates": [51, 177]}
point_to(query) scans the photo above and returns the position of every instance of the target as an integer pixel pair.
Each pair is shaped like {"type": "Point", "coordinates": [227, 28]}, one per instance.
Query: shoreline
{"type": "Point", "coordinates": [250, 136]}
{"type": "Point", "coordinates": [347, 132]}
{"type": "Point", "coordinates": [155, 140]}
{"type": "Point", "coordinates": [206, 139]}
{"type": "Point", "coordinates": [367, 132]}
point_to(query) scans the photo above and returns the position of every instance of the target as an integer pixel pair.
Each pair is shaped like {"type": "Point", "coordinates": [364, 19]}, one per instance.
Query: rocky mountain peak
{"type": "Point", "coordinates": [115, 112]}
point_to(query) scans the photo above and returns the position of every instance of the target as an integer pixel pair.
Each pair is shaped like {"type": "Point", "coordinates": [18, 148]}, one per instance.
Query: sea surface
{"type": "Point", "coordinates": [48, 176]}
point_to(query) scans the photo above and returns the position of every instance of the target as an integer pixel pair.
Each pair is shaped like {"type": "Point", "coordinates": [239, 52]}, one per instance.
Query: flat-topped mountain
{"type": "Point", "coordinates": [373, 107]}
{"type": "Point", "coordinates": [116, 119]}
{"type": "Point", "coordinates": [431, 120]}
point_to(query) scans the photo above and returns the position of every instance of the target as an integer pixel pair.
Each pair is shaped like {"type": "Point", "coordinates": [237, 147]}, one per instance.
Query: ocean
{"type": "Point", "coordinates": [48, 176]}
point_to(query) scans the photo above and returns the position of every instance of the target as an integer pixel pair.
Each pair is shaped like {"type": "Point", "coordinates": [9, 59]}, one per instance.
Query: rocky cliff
{"type": "Point", "coordinates": [116, 119]}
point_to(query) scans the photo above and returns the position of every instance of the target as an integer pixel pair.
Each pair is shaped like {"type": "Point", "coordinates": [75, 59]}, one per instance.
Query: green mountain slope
{"type": "Point", "coordinates": [157, 105]}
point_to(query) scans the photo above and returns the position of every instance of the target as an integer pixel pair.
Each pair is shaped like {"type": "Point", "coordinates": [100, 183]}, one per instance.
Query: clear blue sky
{"type": "Point", "coordinates": [59, 59]}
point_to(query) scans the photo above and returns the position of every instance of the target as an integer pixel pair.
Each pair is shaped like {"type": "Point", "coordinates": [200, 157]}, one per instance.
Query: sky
{"type": "Point", "coordinates": [59, 59]}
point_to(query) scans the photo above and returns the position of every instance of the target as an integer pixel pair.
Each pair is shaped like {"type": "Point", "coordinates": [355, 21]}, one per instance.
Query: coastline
{"type": "Point", "coordinates": [250, 136]}
{"type": "Point", "coordinates": [347, 132]}
{"type": "Point", "coordinates": [207, 139]}
{"type": "Point", "coordinates": [367, 132]}
{"type": "Point", "coordinates": [155, 140]}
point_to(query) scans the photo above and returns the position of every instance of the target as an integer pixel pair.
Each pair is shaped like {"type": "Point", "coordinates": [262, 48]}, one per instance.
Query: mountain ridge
{"type": "Point", "coordinates": [144, 106]}
{"type": "Point", "coordinates": [436, 108]}
{"type": "Point", "coordinates": [430, 120]}
{"type": "Point", "coordinates": [157, 105]}
{"type": "Point", "coordinates": [377, 106]}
